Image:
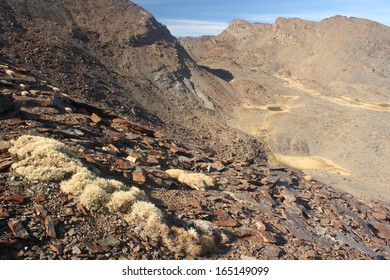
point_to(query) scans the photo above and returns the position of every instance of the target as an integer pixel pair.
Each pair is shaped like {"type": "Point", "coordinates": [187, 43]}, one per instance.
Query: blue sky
{"type": "Point", "coordinates": [210, 17]}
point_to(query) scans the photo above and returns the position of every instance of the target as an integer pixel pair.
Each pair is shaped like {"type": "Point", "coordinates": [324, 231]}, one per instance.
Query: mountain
{"type": "Point", "coordinates": [116, 144]}
{"type": "Point", "coordinates": [123, 57]}
{"type": "Point", "coordinates": [316, 93]}
{"type": "Point", "coordinates": [79, 182]}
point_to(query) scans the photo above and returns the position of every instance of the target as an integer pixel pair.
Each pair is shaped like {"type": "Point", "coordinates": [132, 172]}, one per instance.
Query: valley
{"type": "Point", "coordinates": [333, 127]}
{"type": "Point", "coordinates": [119, 141]}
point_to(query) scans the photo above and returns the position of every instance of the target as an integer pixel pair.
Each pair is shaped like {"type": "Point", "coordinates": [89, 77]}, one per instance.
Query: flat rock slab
{"type": "Point", "coordinates": [6, 101]}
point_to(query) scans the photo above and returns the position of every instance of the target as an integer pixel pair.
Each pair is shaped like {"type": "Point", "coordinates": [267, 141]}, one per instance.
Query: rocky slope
{"type": "Point", "coordinates": [250, 211]}
{"type": "Point", "coordinates": [316, 93]}
{"type": "Point", "coordinates": [130, 155]}
{"type": "Point", "coordinates": [115, 52]}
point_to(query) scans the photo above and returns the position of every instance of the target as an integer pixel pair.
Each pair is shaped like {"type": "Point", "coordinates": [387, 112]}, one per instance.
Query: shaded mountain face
{"type": "Point", "coordinates": [114, 52]}
{"type": "Point", "coordinates": [316, 93]}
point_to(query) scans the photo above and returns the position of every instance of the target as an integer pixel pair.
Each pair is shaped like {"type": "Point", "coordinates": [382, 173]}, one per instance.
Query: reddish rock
{"type": "Point", "coordinates": [383, 229]}
{"type": "Point", "coordinates": [95, 118]}
{"type": "Point", "coordinates": [262, 237]}
{"type": "Point", "coordinates": [325, 222]}
{"type": "Point", "coordinates": [71, 232]}
{"type": "Point", "coordinates": [224, 219]}
{"type": "Point", "coordinates": [337, 224]}
{"type": "Point", "coordinates": [40, 198]}
{"type": "Point", "coordinates": [90, 159]}
{"type": "Point", "coordinates": [14, 198]}
{"type": "Point", "coordinates": [297, 242]}
{"type": "Point", "coordinates": [151, 159]}
{"type": "Point", "coordinates": [380, 215]}
{"type": "Point", "coordinates": [119, 121]}
{"type": "Point", "coordinates": [195, 204]}
{"type": "Point", "coordinates": [56, 248]}
{"type": "Point", "coordinates": [378, 240]}
{"type": "Point", "coordinates": [122, 164]}
{"type": "Point", "coordinates": [50, 224]}
{"type": "Point", "coordinates": [133, 126]}
{"type": "Point", "coordinates": [226, 223]}
{"type": "Point", "coordinates": [139, 176]}
{"type": "Point", "coordinates": [15, 121]}
{"type": "Point", "coordinates": [18, 229]}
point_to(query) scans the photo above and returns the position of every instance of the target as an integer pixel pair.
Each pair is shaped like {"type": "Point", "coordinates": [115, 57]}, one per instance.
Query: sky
{"type": "Point", "coordinates": [210, 17]}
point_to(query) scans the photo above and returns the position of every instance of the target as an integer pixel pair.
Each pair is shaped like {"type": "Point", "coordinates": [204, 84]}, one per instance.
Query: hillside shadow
{"type": "Point", "coordinates": [220, 73]}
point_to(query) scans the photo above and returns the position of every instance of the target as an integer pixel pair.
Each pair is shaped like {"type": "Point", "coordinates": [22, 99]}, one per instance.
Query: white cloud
{"type": "Point", "coordinates": [194, 28]}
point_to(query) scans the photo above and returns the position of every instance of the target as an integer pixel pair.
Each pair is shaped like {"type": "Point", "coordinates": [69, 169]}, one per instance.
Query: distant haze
{"type": "Point", "coordinates": [202, 17]}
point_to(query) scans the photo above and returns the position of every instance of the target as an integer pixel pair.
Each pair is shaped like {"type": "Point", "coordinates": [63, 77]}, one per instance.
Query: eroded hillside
{"type": "Point", "coordinates": [316, 93]}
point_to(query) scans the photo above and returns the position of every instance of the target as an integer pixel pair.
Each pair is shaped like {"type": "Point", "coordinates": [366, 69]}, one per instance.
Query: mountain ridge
{"type": "Point", "coordinates": [324, 79]}
{"type": "Point", "coordinates": [119, 145]}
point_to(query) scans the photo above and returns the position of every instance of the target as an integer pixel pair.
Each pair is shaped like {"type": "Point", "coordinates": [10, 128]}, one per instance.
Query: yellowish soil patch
{"type": "Point", "coordinates": [288, 97]}
{"type": "Point", "coordinates": [293, 84]}
{"type": "Point", "coordinates": [267, 107]}
{"type": "Point", "coordinates": [342, 100]}
{"type": "Point", "coordinates": [355, 102]}
{"type": "Point", "coordinates": [312, 163]}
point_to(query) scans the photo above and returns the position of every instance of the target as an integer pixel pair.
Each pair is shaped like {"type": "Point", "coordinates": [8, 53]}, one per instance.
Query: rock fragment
{"type": "Point", "coordinates": [18, 229]}
{"type": "Point", "coordinates": [50, 224]}
{"type": "Point", "coordinates": [6, 101]}
{"type": "Point", "coordinates": [109, 242]}
{"type": "Point", "coordinates": [272, 252]}
{"type": "Point", "coordinates": [139, 176]}
{"type": "Point", "coordinates": [95, 118]}
{"type": "Point", "coordinates": [5, 164]}
{"type": "Point", "coordinates": [40, 210]}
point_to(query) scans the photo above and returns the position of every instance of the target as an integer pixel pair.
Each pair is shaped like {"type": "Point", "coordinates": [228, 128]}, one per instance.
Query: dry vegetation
{"type": "Point", "coordinates": [196, 181]}
{"type": "Point", "coordinates": [46, 159]}
{"type": "Point", "coordinates": [176, 239]}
